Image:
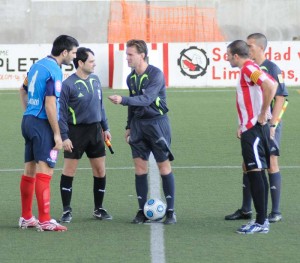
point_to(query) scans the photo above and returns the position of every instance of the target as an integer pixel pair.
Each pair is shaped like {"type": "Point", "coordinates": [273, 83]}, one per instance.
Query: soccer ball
{"type": "Point", "coordinates": [155, 209]}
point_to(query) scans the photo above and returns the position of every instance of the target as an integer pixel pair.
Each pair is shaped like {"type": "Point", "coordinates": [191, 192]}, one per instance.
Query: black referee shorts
{"type": "Point", "coordinates": [86, 138]}
{"type": "Point", "coordinates": [151, 135]}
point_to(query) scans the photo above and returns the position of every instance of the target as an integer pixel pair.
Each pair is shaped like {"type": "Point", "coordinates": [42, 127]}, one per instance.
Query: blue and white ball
{"type": "Point", "coordinates": [155, 209]}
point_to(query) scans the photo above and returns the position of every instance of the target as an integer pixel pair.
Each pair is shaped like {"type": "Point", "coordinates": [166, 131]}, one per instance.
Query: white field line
{"type": "Point", "coordinates": [157, 249]}
{"type": "Point", "coordinates": [216, 167]}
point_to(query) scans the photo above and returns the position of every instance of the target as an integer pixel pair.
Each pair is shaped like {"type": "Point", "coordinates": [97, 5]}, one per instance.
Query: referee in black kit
{"type": "Point", "coordinates": [148, 129]}
{"type": "Point", "coordinates": [84, 128]}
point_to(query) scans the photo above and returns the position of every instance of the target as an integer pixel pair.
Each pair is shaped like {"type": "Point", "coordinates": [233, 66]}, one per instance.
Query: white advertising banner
{"type": "Point", "coordinates": [184, 64]}
{"type": "Point", "coordinates": [205, 64]}
{"type": "Point", "coordinates": [16, 60]}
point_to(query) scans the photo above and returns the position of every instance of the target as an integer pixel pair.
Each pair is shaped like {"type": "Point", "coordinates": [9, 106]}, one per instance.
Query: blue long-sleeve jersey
{"type": "Point", "coordinates": [44, 79]}
{"type": "Point", "coordinates": [81, 103]}
{"type": "Point", "coordinates": [147, 94]}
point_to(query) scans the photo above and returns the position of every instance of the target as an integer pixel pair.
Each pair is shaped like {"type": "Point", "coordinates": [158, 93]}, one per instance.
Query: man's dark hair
{"type": "Point", "coordinates": [140, 45]}
{"type": "Point", "coordinates": [82, 54]}
{"type": "Point", "coordinates": [63, 42]}
{"type": "Point", "coordinates": [240, 48]}
{"type": "Point", "coordinates": [260, 39]}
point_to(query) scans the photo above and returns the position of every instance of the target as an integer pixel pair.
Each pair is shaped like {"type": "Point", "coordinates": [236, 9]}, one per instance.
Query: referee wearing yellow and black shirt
{"type": "Point", "coordinates": [84, 128]}
{"type": "Point", "coordinates": [148, 128]}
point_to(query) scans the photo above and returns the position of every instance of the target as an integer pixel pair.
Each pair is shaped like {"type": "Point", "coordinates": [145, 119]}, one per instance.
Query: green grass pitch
{"type": "Point", "coordinates": [208, 186]}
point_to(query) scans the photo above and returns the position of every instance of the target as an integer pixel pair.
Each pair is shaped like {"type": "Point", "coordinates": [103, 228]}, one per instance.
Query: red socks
{"type": "Point", "coordinates": [27, 191]}
{"type": "Point", "coordinates": [42, 191]}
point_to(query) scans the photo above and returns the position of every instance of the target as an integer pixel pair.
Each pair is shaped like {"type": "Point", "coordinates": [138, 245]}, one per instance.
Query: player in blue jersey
{"type": "Point", "coordinates": [39, 96]}
{"type": "Point", "coordinates": [148, 129]}
{"type": "Point", "coordinates": [257, 44]}
{"type": "Point", "coordinates": [84, 128]}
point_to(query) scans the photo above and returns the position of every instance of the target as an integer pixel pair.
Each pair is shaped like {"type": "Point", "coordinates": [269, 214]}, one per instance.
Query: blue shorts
{"type": "Point", "coordinates": [151, 135]}
{"type": "Point", "coordinates": [255, 144]}
{"type": "Point", "coordinates": [39, 140]}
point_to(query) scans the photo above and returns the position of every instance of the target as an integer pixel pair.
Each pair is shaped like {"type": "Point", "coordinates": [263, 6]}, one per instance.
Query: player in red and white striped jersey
{"type": "Point", "coordinates": [258, 43]}
{"type": "Point", "coordinates": [255, 91]}
{"type": "Point", "coordinates": [250, 95]}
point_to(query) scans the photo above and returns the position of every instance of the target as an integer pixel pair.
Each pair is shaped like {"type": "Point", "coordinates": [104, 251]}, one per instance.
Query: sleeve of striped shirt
{"type": "Point", "coordinates": [257, 75]}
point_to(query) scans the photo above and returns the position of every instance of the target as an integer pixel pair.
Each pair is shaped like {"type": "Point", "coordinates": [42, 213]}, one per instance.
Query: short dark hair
{"type": "Point", "coordinates": [82, 54]}
{"type": "Point", "coordinates": [63, 42]}
{"type": "Point", "coordinates": [140, 45]}
{"type": "Point", "coordinates": [240, 48]}
{"type": "Point", "coordinates": [260, 39]}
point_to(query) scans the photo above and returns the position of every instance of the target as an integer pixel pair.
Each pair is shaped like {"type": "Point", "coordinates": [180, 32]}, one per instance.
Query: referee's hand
{"type": "Point", "coordinates": [116, 99]}
{"type": "Point", "coordinates": [67, 145]}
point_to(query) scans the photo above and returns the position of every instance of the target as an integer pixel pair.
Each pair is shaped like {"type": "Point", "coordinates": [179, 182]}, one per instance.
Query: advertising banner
{"type": "Point", "coordinates": [184, 64]}
{"type": "Point", "coordinates": [16, 60]}
{"type": "Point", "coordinates": [206, 65]}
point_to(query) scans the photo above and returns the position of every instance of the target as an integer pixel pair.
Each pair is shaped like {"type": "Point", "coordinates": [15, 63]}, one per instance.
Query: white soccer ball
{"type": "Point", "coordinates": [155, 209]}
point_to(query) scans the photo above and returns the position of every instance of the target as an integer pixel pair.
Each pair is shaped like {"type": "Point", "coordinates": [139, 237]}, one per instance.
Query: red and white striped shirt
{"type": "Point", "coordinates": [249, 94]}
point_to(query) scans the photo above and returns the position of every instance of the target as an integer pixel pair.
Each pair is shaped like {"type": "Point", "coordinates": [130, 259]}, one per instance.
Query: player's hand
{"type": "Point", "coordinates": [238, 133]}
{"type": "Point", "coordinates": [127, 135]}
{"type": "Point", "coordinates": [116, 99]}
{"type": "Point", "coordinates": [262, 119]}
{"type": "Point", "coordinates": [58, 142]}
{"type": "Point", "coordinates": [67, 145]}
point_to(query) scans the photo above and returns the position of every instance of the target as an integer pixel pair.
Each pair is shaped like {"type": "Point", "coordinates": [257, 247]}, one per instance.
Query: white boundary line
{"type": "Point", "coordinates": [173, 167]}
{"type": "Point", "coordinates": [157, 230]}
